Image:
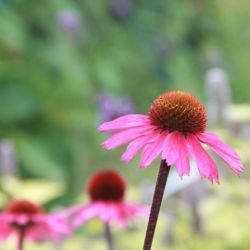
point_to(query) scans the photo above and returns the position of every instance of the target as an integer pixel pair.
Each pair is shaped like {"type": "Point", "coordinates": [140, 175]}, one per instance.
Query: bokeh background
{"type": "Point", "coordinates": [66, 66]}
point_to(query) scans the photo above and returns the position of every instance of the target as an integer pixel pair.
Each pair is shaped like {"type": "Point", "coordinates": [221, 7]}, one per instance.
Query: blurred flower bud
{"type": "Point", "coordinates": [111, 107]}
{"type": "Point", "coordinates": [69, 20]}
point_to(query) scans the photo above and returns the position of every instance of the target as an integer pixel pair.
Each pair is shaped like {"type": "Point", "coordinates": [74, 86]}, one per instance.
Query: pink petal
{"type": "Point", "coordinates": [170, 150]}
{"type": "Point", "coordinates": [127, 121]}
{"type": "Point", "coordinates": [175, 151]}
{"type": "Point", "coordinates": [53, 226]}
{"type": "Point", "coordinates": [70, 211]}
{"type": "Point", "coordinates": [182, 163]}
{"type": "Point", "coordinates": [134, 209]}
{"type": "Point", "coordinates": [39, 233]}
{"type": "Point", "coordinates": [125, 136]}
{"type": "Point", "coordinates": [122, 217]}
{"type": "Point", "coordinates": [5, 231]}
{"type": "Point", "coordinates": [152, 150]}
{"type": "Point", "coordinates": [212, 139]}
{"type": "Point", "coordinates": [110, 211]}
{"type": "Point", "coordinates": [127, 211]}
{"type": "Point", "coordinates": [88, 212]}
{"type": "Point", "coordinates": [57, 225]}
{"type": "Point", "coordinates": [183, 166]}
{"type": "Point", "coordinates": [135, 146]}
{"type": "Point", "coordinates": [206, 165]}
{"type": "Point", "coordinates": [223, 150]}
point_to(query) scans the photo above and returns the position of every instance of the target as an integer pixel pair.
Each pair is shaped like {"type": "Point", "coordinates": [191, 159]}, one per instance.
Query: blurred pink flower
{"type": "Point", "coordinates": [26, 218]}
{"type": "Point", "coordinates": [174, 128]}
{"type": "Point", "coordinates": [106, 190]}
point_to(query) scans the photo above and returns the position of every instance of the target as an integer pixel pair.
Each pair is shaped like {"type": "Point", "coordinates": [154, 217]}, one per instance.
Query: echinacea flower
{"type": "Point", "coordinates": [29, 221]}
{"type": "Point", "coordinates": [175, 129]}
{"type": "Point", "coordinates": [106, 190]}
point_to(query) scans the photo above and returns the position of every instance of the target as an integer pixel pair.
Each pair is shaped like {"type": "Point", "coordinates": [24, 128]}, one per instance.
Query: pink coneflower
{"type": "Point", "coordinates": [106, 190]}
{"type": "Point", "coordinates": [175, 129]}
{"type": "Point", "coordinates": [29, 221]}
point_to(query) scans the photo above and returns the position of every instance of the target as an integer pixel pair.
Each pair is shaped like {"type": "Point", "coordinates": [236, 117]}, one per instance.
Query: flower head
{"type": "Point", "coordinates": [175, 129]}
{"type": "Point", "coordinates": [106, 190]}
{"type": "Point", "coordinates": [106, 185]}
{"type": "Point", "coordinates": [25, 216]}
{"type": "Point", "coordinates": [178, 111]}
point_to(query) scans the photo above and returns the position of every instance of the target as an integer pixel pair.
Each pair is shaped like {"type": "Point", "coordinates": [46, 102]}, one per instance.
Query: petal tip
{"type": "Point", "coordinates": [143, 166]}
{"type": "Point", "coordinates": [106, 145]}
{"type": "Point", "coordinates": [100, 129]}
{"type": "Point", "coordinates": [125, 160]}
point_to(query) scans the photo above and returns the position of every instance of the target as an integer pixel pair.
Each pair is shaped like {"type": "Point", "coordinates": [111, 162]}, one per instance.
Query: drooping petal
{"type": "Point", "coordinates": [53, 227]}
{"type": "Point", "coordinates": [127, 211]}
{"type": "Point", "coordinates": [40, 233]}
{"type": "Point", "coordinates": [122, 215]}
{"type": "Point", "coordinates": [125, 136]}
{"type": "Point", "coordinates": [5, 230]}
{"type": "Point", "coordinates": [109, 211]}
{"type": "Point", "coordinates": [112, 213]}
{"type": "Point", "coordinates": [183, 166]}
{"type": "Point", "coordinates": [170, 151]}
{"type": "Point", "coordinates": [69, 211]}
{"type": "Point", "coordinates": [57, 224]}
{"type": "Point", "coordinates": [206, 165]}
{"type": "Point", "coordinates": [126, 121]}
{"type": "Point", "coordinates": [86, 213]}
{"type": "Point", "coordinates": [183, 162]}
{"type": "Point", "coordinates": [223, 150]}
{"type": "Point", "coordinates": [214, 140]}
{"type": "Point", "coordinates": [152, 150]}
{"type": "Point", "coordinates": [175, 151]}
{"type": "Point", "coordinates": [135, 146]}
{"type": "Point", "coordinates": [134, 209]}
{"type": "Point", "coordinates": [44, 226]}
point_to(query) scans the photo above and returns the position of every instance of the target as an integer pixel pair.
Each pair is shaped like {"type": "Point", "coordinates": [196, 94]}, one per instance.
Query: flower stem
{"type": "Point", "coordinates": [156, 204]}
{"type": "Point", "coordinates": [108, 237]}
{"type": "Point", "coordinates": [20, 240]}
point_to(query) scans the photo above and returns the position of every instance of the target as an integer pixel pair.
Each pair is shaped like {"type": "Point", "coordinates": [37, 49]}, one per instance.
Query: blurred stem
{"type": "Point", "coordinates": [20, 240]}
{"type": "Point", "coordinates": [156, 204]}
{"type": "Point", "coordinates": [108, 236]}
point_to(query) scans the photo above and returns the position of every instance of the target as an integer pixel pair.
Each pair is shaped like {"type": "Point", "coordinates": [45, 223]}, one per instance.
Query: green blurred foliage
{"type": "Point", "coordinates": [50, 76]}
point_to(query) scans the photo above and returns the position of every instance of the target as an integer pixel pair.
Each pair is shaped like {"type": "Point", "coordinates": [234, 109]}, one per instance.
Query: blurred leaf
{"type": "Point", "coordinates": [38, 160]}
{"type": "Point", "coordinates": [17, 103]}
